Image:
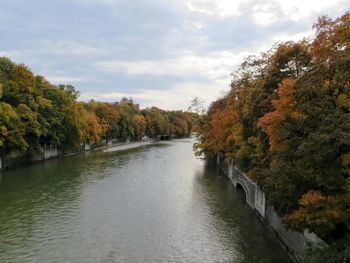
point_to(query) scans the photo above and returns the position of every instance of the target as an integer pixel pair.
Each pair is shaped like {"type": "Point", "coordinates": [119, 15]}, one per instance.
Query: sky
{"type": "Point", "coordinates": [159, 52]}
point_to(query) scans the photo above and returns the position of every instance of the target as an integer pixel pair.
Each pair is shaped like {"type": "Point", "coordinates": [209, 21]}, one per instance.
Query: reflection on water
{"type": "Point", "coordinates": [154, 204]}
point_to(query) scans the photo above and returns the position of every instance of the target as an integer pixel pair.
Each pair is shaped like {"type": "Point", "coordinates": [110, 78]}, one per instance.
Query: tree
{"type": "Point", "coordinates": [286, 123]}
{"type": "Point", "coordinates": [197, 106]}
{"type": "Point", "coordinates": [140, 126]}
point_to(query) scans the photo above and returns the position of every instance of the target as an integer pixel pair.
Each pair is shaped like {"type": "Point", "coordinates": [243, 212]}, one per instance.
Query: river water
{"type": "Point", "coordinates": [153, 204]}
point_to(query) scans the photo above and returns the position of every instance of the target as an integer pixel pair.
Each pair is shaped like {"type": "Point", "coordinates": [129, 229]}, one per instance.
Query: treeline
{"type": "Point", "coordinates": [35, 113]}
{"type": "Point", "coordinates": [286, 123]}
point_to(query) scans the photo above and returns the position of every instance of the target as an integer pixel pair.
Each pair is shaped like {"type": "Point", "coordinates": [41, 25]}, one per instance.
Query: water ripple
{"type": "Point", "coordinates": [153, 204]}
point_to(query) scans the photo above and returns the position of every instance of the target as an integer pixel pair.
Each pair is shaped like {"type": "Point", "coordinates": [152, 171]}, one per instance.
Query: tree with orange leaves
{"type": "Point", "coordinates": [291, 130]}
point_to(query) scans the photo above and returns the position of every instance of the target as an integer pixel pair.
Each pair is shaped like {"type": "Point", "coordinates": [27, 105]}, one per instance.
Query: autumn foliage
{"type": "Point", "coordinates": [286, 123]}
{"type": "Point", "coordinates": [35, 113]}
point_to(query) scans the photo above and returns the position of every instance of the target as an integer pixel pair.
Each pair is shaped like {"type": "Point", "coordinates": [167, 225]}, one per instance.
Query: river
{"type": "Point", "coordinates": [157, 203]}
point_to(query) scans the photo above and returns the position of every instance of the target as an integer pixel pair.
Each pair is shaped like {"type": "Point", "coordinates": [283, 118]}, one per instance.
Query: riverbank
{"type": "Point", "coordinates": [50, 153]}
{"type": "Point", "coordinates": [296, 244]}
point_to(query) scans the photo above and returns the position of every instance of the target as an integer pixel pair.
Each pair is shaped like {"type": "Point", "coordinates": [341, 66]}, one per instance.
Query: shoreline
{"type": "Point", "coordinates": [295, 243]}
{"type": "Point", "coordinates": [105, 148]}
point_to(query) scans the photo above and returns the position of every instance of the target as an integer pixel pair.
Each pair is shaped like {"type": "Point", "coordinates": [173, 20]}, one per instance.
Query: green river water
{"type": "Point", "coordinates": [151, 204]}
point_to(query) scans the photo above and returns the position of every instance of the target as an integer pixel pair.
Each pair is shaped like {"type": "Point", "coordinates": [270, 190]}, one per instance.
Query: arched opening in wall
{"type": "Point", "coordinates": [164, 137]}
{"type": "Point", "coordinates": [241, 192]}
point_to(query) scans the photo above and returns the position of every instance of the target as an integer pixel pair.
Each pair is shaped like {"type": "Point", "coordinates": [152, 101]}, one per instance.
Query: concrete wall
{"type": "Point", "coordinates": [249, 187]}
{"type": "Point", "coordinates": [255, 198]}
{"type": "Point", "coordinates": [50, 151]}
{"type": "Point", "coordinates": [87, 146]}
{"type": "Point", "coordinates": [260, 201]}
{"type": "Point", "coordinates": [296, 243]}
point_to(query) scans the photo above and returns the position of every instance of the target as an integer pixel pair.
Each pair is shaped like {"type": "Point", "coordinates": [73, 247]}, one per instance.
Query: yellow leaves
{"type": "Point", "coordinates": [332, 37]}
{"type": "Point", "coordinates": [298, 116]}
{"type": "Point", "coordinates": [80, 121]}
{"type": "Point", "coordinates": [285, 92]}
{"type": "Point", "coordinates": [344, 101]}
{"type": "Point", "coordinates": [180, 124]}
{"type": "Point", "coordinates": [223, 128]}
{"type": "Point", "coordinates": [343, 97]}
{"type": "Point", "coordinates": [318, 212]}
{"type": "Point", "coordinates": [93, 128]}
{"type": "Point", "coordinates": [218, 131]}
{"type": "Point", "coordinates": [3, 133]}
{"type": "Point", "coordinates": [346, 159]}
{"type": "Point", "coordinates": [140, 124]}
{"type": "Point", "coordinates": [284, 107]}
{"type": "Point", "coordinates": [312, 199]}
{"type": "Point", "coordinates": [29, 119]}
{"type": "Point", "coordinates": [292, 137]}
{"type": "Point", "coordinates": [285, 103]}
{"type": "Point", "coordinates": [11, 128]}
{"type": "Point", "coordinates": [333, 213]}
{"type": "Point", "coordinates": [43, 102]}
{"type": "Point", "coordinates": [249, 148]}
{"type": "Point", "coordinates": [139, 119]}
{"type": "Point", "coordinates": [6, 112]}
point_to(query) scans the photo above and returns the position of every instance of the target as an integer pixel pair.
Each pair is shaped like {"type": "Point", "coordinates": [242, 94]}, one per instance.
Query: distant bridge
{"type": "Point", "coordinates": [165, 137]}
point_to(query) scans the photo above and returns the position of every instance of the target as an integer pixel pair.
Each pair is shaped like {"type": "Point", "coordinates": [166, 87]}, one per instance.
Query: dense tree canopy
{"type": "Point", "coordinates": [286, 122]}
{"type": "Point", "coordinates": [35, 113]}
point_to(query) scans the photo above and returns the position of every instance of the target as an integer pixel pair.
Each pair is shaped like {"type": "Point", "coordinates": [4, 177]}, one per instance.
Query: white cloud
{"type": "Point", "coordinates": [298, 9]}
{"type": "Point", "coordinates": [217, 66]}
{"type": "Point", "coordinates": [15, 55]}
{"type": "Point", "coordinates": [54, 47]}
{"type": "Point", "coordinates": [264, 18]}
{"type": "Point", "coordinates": [176, 97]}
{"type": "Point", "coordinates": [63, 79]}
{"type": "Point", "coordinates": [293, 37]}
{"type": "Point", "coordinates": [69, 47]}
{"type": "Point", "coordinates": [266, 14]}
{"type": "Point", "coordinates": [217, 7]}
{"type": "Point", "coordinates": [93, 2]}
{"type": "Point", "coordinates": [264, 11]}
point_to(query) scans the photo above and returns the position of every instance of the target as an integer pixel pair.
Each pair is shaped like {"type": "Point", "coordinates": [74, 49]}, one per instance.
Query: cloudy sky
{"type": "Point", "coordinates": [160, 52]}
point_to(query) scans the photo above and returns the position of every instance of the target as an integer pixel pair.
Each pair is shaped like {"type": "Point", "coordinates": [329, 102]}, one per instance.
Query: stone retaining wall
{"type": "Point", "coordinates": [50, 151]}
{"type": "Point", "coordinates": [296, 243]}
